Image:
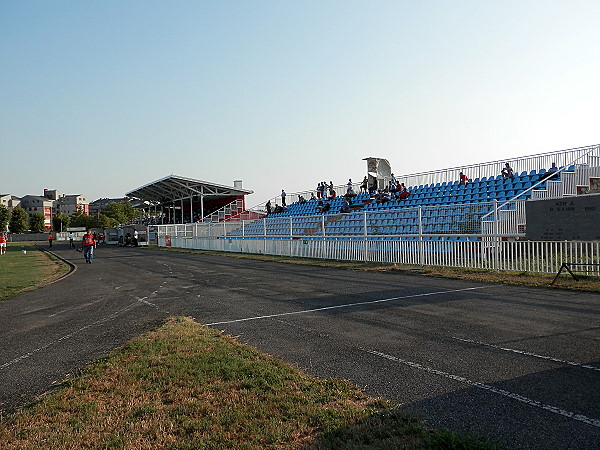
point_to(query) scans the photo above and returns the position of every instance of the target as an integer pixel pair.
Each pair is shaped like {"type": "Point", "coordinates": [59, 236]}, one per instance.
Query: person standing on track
{"type": "Point", "coordinates": [3, 240]}
{"type": "Point", "coordinates": [50, 237]}
{"type": "Point", "coordinates": [88, 243]}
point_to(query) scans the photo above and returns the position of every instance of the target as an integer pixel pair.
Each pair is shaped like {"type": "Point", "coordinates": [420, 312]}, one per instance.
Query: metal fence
{"type": "Point", "coordinates": [448, 236]}
{"type": "Point", "coordinates": [486, 253]}
{"type": "Point", "coordinates": [466, 221]}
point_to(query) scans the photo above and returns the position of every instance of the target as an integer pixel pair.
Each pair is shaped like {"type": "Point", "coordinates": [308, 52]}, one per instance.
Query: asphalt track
{"type": "Point", "coordinates": [521, 365]}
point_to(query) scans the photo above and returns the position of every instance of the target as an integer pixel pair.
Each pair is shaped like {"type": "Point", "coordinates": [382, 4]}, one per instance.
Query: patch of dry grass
{"type": "Point", "coordinates": [187, 386]}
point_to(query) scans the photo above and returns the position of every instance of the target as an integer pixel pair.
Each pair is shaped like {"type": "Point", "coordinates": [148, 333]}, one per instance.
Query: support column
{"type": "Point", "coordinates": [202, 205]}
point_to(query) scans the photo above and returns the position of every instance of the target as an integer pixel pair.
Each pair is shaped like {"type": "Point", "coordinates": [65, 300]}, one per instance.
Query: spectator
{"type": "Point", "coordinates": [373, 187]}
{"type": "Point", "coordinates": [3, 241]}
{"type": "Point", "coordinates": [350, 194]}
{"type": "Point", "coordinates": [404, 194]}
{"type": "Point", "coordinates": [364, 187]}
{"type": "Point", "coordinates": [320, 190]}
{"type": "Point", "coordinates": [301, 200]}
{"type": "Point", "coordinates": [463, 179]}
{"type": "Point", "coordinates": [312, 195]}
{"type": "Point", "coordinates": [332, 193]}
{"type": "Point", "coordinates": [283, 198]}
{"type": "Point", "coordinates": [323, 206]}
{"type": "Point", "coordinates": [345, 207]}
{"type": "Point", "coordinates": [278, 209]}
{"type": "Point", "coordinates": [382, 197]}
{"type": "Point", "coordinates": [349, 184]}
{"type": "Point", "coordinates": [551, 173]}
{"type": "Point", "coordinates": [507, 171]}
{"type": "Point", "coordinates": [269, 208]}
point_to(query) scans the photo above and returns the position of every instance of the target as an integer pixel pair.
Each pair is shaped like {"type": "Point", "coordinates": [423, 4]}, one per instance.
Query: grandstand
{"type": "Point", "coordinates": [441, 221]}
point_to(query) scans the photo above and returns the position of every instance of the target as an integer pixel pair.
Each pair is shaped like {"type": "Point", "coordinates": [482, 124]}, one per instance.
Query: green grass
{"type": "Point", "coordinates": [187, 386]}
{"type": "Point", "coordinates": [25, 267]}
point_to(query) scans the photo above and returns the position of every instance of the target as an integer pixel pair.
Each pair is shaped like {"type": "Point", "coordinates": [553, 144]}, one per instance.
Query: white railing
{"type": "Point", "coordinates": [578, 176]}
{"type": "Point", "coordinates": [420, 223]}
{"type": "Point", "coordinates": [231, 209]}
{"type": "Point", "coordinates": [562, 158]}
{"type": "Point", "coordinates": [517, 256]}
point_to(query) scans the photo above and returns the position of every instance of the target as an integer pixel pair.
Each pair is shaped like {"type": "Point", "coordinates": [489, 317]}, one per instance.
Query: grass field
{"type": "Point", "coordinates": [25, 267]}
{"type": "Point", "coordinates": [187, 386]}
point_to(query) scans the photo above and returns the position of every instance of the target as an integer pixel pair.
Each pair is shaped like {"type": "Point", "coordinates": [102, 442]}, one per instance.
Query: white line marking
{"type": "Point", "coordinates": [487, 387]}
{"type": "Point", "coordinates": [146, 302]}
{"type": "Point", "coordinates": [346, 305]}
{"type": "Point", "coordinates": [77, 307]}
{"type": "Point", "coordinates": [521, 352]}
{"type": "Point", "coordinates": [65, 337]}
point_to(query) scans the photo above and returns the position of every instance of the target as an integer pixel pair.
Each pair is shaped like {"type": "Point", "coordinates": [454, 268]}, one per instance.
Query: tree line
{"type": "Point", "coordinates": [18, 221]}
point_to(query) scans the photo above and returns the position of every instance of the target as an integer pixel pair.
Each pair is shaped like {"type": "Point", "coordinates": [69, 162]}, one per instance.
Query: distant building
{"type": "Point", "coordinates": [34, 204]}
{"type": "Point", "coordinates": [10, 201]}
{"type": "Point", "coordinates": [72, 204]}
{"type": "Point", "coordinates": [52, 194]}
{"type": "Point", "coordinates": [50, 204]}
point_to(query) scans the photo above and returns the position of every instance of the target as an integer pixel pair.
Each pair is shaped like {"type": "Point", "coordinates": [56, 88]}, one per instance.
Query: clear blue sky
{"type": "Point", "coordinates": [100, 97]}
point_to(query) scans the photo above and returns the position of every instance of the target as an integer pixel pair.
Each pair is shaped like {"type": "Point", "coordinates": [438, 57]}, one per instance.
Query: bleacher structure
{"type": "Point", "coordinates": [481, 224]}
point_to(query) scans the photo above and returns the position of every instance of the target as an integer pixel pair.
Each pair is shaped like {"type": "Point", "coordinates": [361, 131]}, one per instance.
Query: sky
{"type": "Point", "coordinates": [101, 97]}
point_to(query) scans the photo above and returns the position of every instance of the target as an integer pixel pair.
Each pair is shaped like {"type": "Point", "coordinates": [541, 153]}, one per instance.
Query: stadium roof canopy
{"type": "Point", "coordinates": [173, 188]}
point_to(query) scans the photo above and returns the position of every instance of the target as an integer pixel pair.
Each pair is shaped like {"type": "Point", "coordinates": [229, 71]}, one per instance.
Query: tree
{"type": "Point", "coordinates": [19, 221]}
{"type": "Point", "coordinates": [102, 221]}
{"type": "Point", "coordinates": [4, 217]}
{"type": "Point", "coordinates": [37, 223]}
{"type": "Point", "coordinates": [61, 222]}
{"type": "Point", "coordinates": [120, 211]}
{"type": "Point", "coordinates": [81, 220]}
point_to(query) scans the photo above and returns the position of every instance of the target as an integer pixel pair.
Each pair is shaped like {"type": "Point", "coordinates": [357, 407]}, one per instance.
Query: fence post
{"type": "Point", "coordinates": [421, 243]}
{"type": "Point", "coordinates": [365, 234]}
{"type": "Point", "coordinates": [496, 238]}
{"type": "Point", "coordinates": [264, 235]}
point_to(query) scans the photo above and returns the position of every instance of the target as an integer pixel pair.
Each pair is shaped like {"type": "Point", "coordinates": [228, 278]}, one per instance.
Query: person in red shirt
{"type": "Point", "coordinates": [404, 194]}
{"type": "Point", "coordinates": [3, 240]}
{"type": "Point", "coordinates": [50, 237]}
{"type": "Point", "coordinates": [464, 180]}
{"type": "Point", "coordinates": [88, 243]}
